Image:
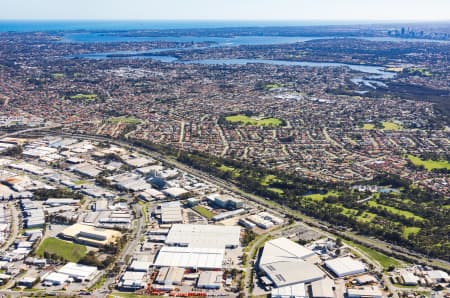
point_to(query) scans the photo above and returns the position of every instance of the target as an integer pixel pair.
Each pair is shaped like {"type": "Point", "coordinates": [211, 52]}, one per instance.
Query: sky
{"type": "Point", "coordinates": [274, 10]}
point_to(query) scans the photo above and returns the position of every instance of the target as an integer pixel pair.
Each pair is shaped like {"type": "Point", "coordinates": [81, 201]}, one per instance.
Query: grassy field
{"type": "Point", "coordinates": [384, 260]}
{"type": "Point", "coordinates": [388, 125]}
{"type": "Point", "coordinates": [253, 120]}
{"type": "Point", "coordinates": [58, 75]}
{"type": "Point", "coordinates": [368, 126]}
{"type": "Point", "coordinates": [80, 182]}
{"type": "Point", "coordinates": [225, 168]}
{"type": "Point", "coordinates": [366, 217]}
{"type": "Point", "coordinates": [429, 164]}
{"type": "Point", "coordinates": [422, 71]}
{"type": "Point", "coordinates": [81, 96]}
{"type": "Point", "coordinates": [123, 119]}
{"type": "Point", "coordinates": [272, 86]}
{"type": "Point", "coordinates": [70, 251]}
{"type": "Point", "coordinates": [394, 210]}
{"type": "Point", "coordinates": [320, 197]}
{"type": "Point", "coordinates": [203, 211]}
{"type": "Point", "coordinates": [410, 230]}
{"type": "Point", "coordinates": [276, 190]}
{"type": "Point", "coordinates": [269, 179]}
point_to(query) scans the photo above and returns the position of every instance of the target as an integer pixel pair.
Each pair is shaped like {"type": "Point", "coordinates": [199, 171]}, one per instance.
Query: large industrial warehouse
{"type": "Point", "coordinates": [212, 236]}
{"type": "Point", "coordinates": [345, 266]}
{"type": "Point", "coordinates": [197, 246]}
{"type": "Point", "coordinates": [190, 257]}
{"type": "Point", "coordinates": [282, 250]}
{"type": "Point", "coordinates": [284, 262]}
{"type": "Point", "coordinates": [90, 235]}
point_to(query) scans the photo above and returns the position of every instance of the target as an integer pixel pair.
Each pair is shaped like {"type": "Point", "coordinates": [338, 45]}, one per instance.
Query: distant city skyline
{"type": "Point", "coordinates": [252, 10]}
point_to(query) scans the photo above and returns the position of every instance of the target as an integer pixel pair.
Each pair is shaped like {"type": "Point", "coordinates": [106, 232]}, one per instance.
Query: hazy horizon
{"type": "Point", "coordinates": [230, 10]}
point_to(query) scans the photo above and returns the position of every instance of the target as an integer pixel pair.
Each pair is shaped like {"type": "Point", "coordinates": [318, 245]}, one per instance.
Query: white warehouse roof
{"type": "Point", "coordinates": [345, 266]}
{"type": "Point", "coordinates": [284, 263]}
{"type": "Point", "coordinates": [294, 291]}
{"type": "Point", "coordinates": [323, 288]}
{"type": "Point", "coordinates": [282, 250]}
{"type": "Point", "coordinates": [210, 236]}
{"type": "Point", "coordinates": [78, 271]}
{"type": "Point", "coordinates": [291, 273]}
{"type": "Point", "coordinates": [140, 266]}
{"type": "Point", "coordinates": [56, 278]}
{"type": "Point", "coordinates": [190, 257]}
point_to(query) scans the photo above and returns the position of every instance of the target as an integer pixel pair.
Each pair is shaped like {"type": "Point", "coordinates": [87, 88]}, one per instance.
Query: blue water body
{"type": "Point", "coordinates": [375, 70]}
{"type": "Point", "coordinates": [33, 25]}
{"type": "Point", "coordinates": [378, 72]}
{"type": "Point", "coordinates": [90, 37]}
{"type": "Point", "coordinates": [91, 31]}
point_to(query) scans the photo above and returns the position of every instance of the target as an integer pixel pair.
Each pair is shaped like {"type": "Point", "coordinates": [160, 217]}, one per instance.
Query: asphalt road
{"type": "Point", "coordinates": [126, 251]}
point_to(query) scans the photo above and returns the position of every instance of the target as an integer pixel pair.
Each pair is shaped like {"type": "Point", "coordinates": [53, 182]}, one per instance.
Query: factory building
{"type": "Point", "coordinates": [190, 257]}
{"type": "Point", "coordinates": [89, 235]}
{"type": "Point", "coordinates": [367, 292]}
{"type": "Point", "coordinates": [132, 280]}
{"type": "Point", "coordinates": [284, 263]}
{"type": "Point", "coordinates": [345, 266]}
{"type": "Point", "coordinates": [170, 276]}
{"type": "Point", "coordinates": [323, 288]}
{"type": "Point", "coordinates": [170, 213]}
{"type": "Point", "coordinates": [191, 235]}
{"type": "Point", "coordinates": [294, 291]}
{"type": "Point", "coordinates": [225, 201]}
{"type": "Point", "coordinates": [210, 280]}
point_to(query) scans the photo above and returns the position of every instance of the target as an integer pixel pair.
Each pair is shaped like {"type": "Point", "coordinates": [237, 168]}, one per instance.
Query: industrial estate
{"type": "Point", "coordinates": [88, 216]}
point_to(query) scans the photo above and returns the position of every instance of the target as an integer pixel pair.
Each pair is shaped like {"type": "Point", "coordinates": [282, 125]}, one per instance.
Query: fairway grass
{"type": "Point", "coordinates": [394, 210]}
{"type": "Point", "coordinates": [410, 231]}
{"type": "Point", "coordinates": [366, 217]}
{"type": "Point", "coordinates": [69, 251]}
{"type": "Point", "coordinates": [268, 179]}
{"type": "Point", "coordinates": [225, 168]}
{"type": "Point", "coordinates": [245, 120]}
{"type": "Point", "coordinates": [320, 197]}
{"type": "Point", "coordinates": [429, 164]}
{"type": "Point", "coordinates": [276, 190]}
